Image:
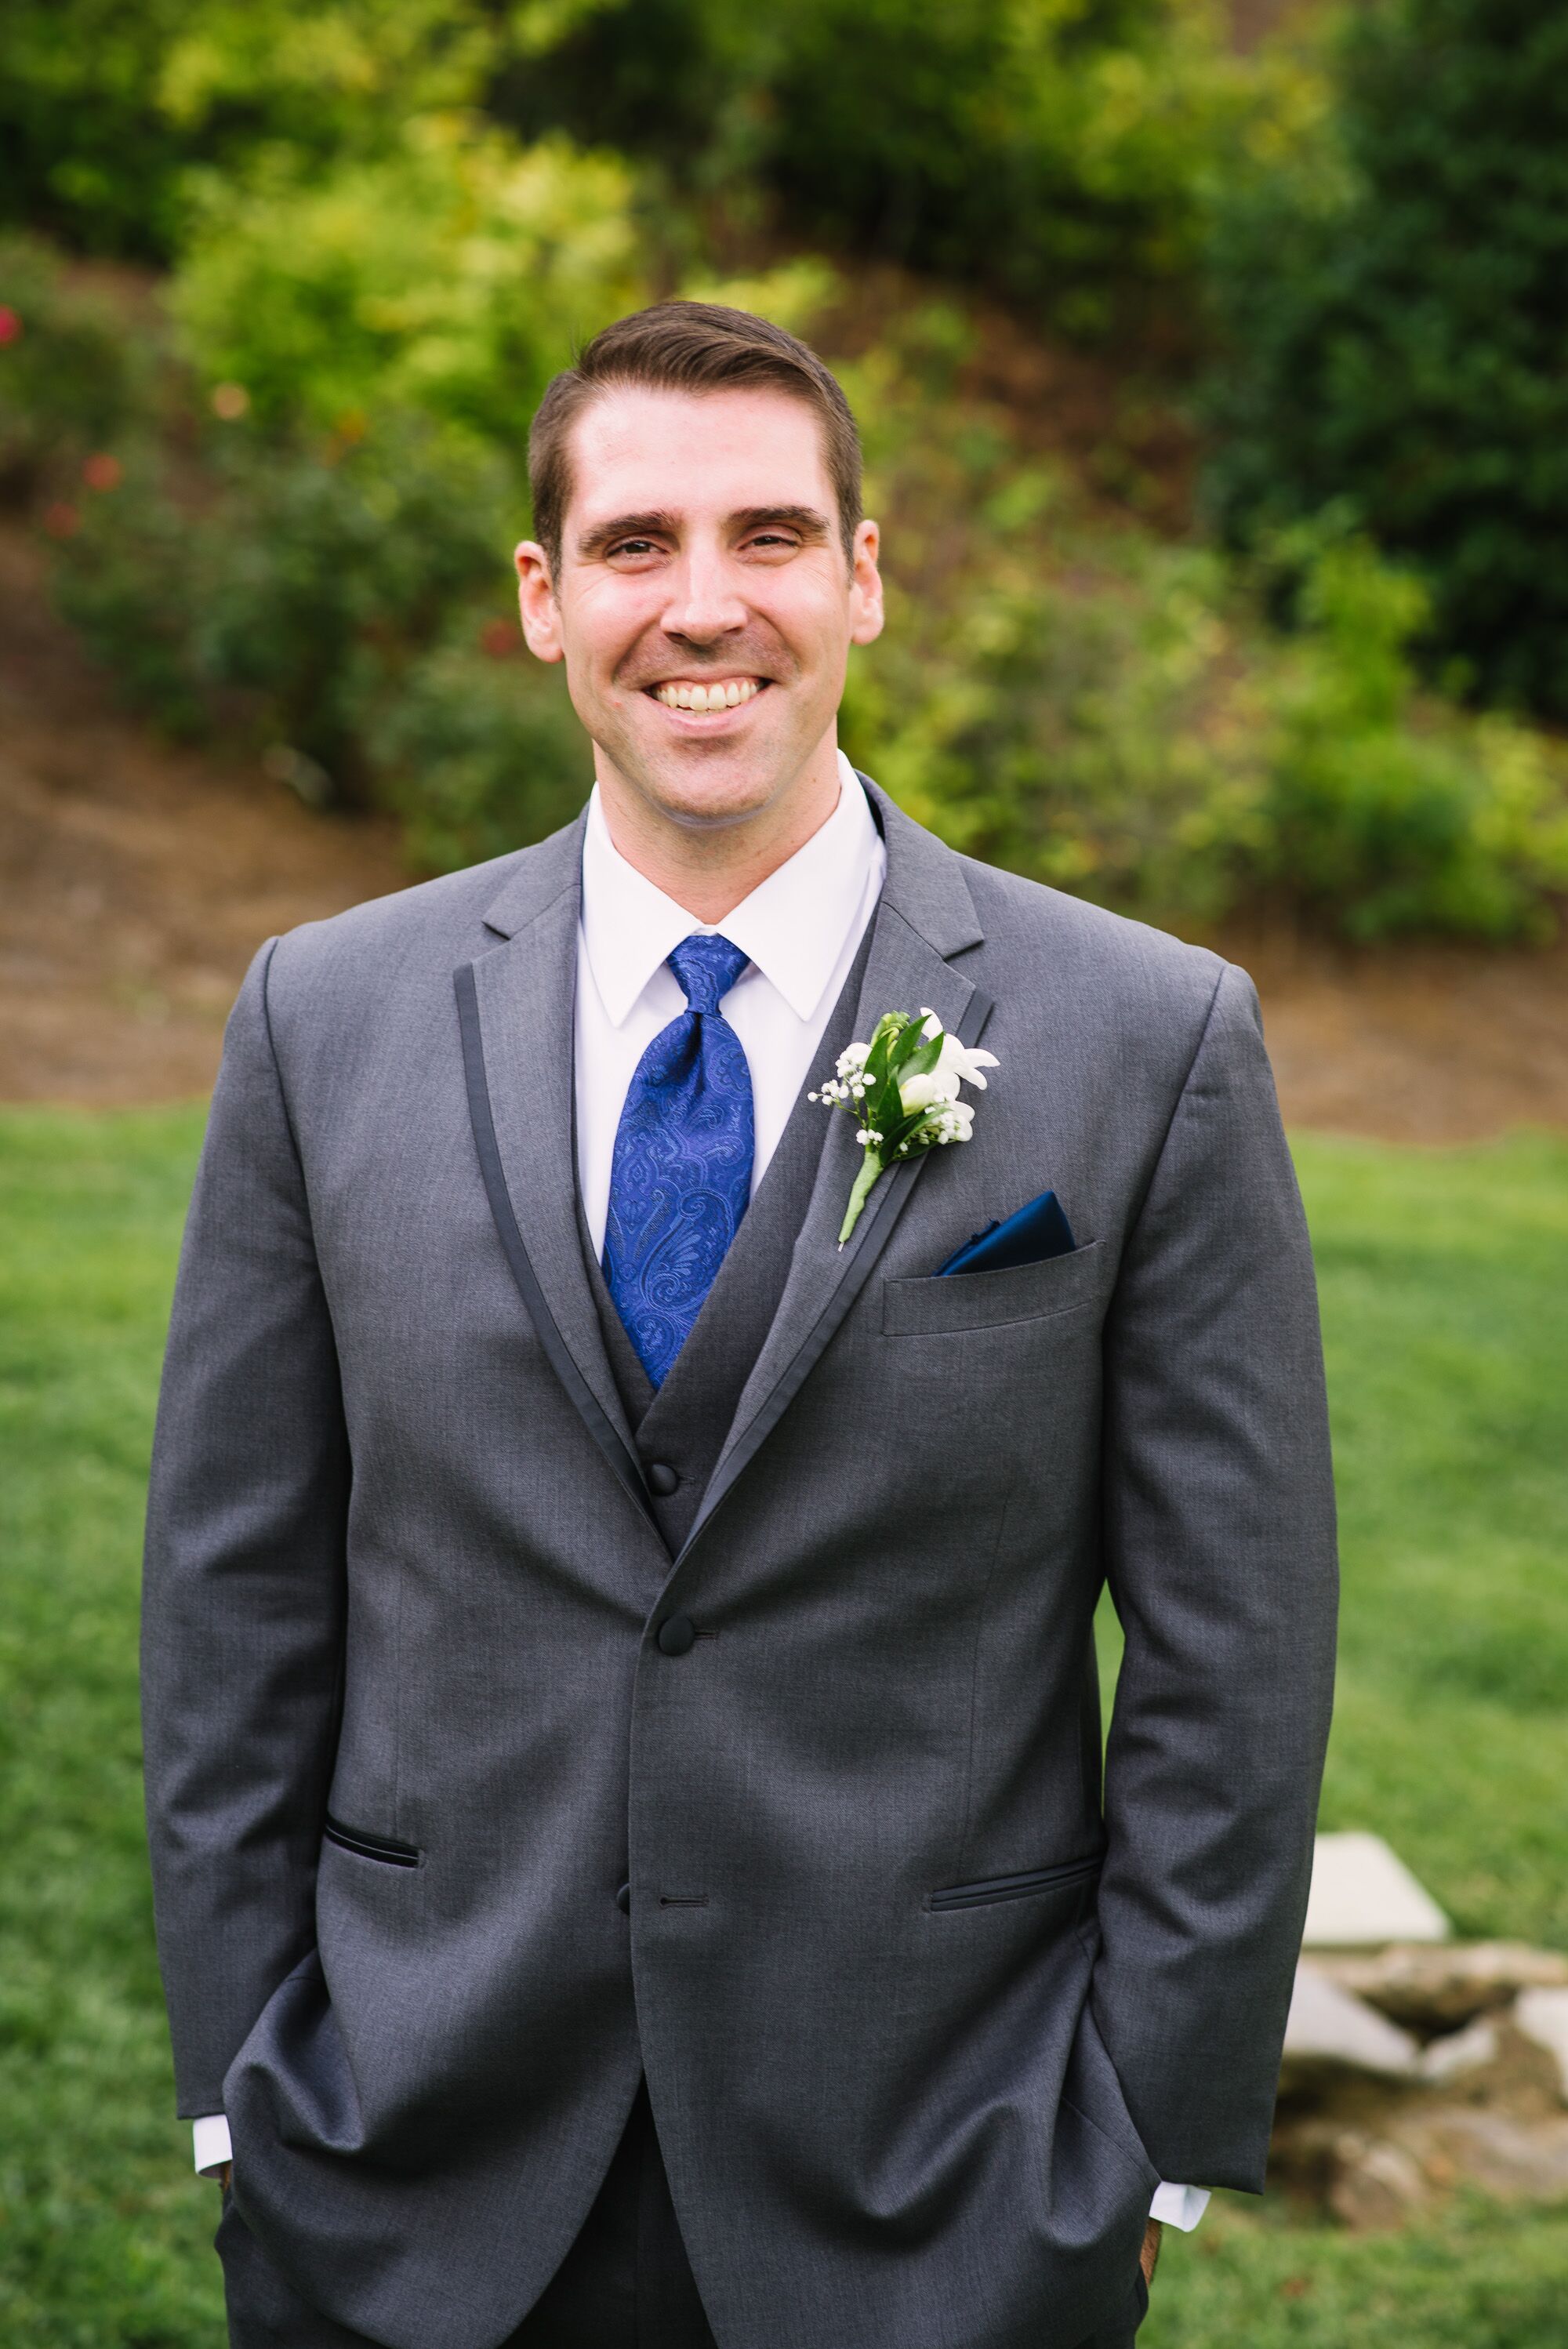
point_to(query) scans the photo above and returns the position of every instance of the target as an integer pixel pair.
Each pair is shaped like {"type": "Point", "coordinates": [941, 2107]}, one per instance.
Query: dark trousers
{"type": "Point", "coordinates": [624, 2284]}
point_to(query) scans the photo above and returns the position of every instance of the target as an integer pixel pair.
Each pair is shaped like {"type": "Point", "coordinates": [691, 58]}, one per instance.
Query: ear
{"type": "Point", "coordinates": [865, 587]}
{"type": "Point", "coordinates": [536, 602]}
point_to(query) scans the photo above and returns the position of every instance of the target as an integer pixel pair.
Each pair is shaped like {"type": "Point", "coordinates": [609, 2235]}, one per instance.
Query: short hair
{"type": "Point", "coordinates": [697, 346]}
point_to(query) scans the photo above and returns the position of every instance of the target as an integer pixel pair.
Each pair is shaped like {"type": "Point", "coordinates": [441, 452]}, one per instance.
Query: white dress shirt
{"type": "Point", "coordinates": [800, 930]}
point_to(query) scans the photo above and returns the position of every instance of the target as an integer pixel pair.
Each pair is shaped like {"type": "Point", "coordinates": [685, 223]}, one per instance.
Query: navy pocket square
{"type": "Point", "coordinates": [1026, 1237]}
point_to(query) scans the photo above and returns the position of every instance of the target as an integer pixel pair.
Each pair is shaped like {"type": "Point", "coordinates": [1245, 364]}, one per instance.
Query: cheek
{"type": "Point", "coordinates": [600, 634]}
{"type": "Point", "coordinates": [816, 632]}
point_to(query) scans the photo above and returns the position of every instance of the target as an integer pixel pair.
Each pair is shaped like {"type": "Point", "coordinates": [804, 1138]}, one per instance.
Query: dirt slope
{"type": "Point", "coordinates": [137, 881]}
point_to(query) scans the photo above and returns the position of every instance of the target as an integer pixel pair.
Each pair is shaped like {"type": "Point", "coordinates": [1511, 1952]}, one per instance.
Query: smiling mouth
{"type": "Point", "coordinates": [722, 693]}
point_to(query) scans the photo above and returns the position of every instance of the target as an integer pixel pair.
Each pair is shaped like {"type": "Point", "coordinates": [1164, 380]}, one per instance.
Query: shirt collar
{"type": "Point", "coordinates": [793, 926]}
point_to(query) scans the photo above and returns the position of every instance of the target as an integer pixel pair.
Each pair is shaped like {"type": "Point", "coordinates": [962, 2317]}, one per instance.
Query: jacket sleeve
{"type": "Point", "coordinates": [243, 1617]}
{"type": "Point", "coordinates": [1218, 1532]}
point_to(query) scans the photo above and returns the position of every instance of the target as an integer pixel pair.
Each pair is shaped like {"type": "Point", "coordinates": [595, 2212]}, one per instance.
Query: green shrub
{"type": "Point", "coordinates": [287, 603]}
{"type": "Point", "coordinates": [130, 580]}
{"type": "Point", "coordinates": [452, 275]}
{"type": "Point", "coordinates": [75, 374]}
{"type": "Point", "coordinates": [1394, 326]}
{"type": "Point", "coordinates": [1053, 151]}
{"type": "Point", "coordinates": [105, 108]}
{"type": "Point", "coordinates": [481, 752]}
{"type": "Point", "coordinates": [1081, 724]}
{"type": "Point", "coordinates": [1125, 728]}
{"type": "Point", "coordinates": [1387, 815]}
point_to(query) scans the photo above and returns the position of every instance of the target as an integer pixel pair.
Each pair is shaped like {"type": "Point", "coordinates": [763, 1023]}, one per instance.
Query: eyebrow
{"type": "Point", "coordinates": [805, 519]}
{"type": "Point", "coordinates": [659, 524]}
{"type": "Point", "coordinates": [655, 524]}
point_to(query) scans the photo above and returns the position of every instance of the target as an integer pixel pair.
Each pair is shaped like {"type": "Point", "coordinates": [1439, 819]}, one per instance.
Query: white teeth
{"type": "Point", "coordinates": [728, 695]}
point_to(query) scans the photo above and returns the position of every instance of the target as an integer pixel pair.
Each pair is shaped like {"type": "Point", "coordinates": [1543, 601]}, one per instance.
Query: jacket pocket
{"type": "Point", "coordinates": [926, 1307]}
{"type": "Point", "coordinates": [372, 1846]}
{"type": "Point", "coordinates": [992, 1889]}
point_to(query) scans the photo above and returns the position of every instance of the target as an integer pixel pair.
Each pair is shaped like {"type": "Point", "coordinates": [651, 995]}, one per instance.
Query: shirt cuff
{"type": "Point", "coordinates": [1173, 2205]}
{"type": "Point", "coordinates": [210, 2142]}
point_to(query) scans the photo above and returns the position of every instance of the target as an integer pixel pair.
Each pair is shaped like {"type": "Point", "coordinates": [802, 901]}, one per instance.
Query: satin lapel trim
{"type": "Point", "coordinates": [515, 1012]}
{"type": "Point", "coordinates": [903, 974]}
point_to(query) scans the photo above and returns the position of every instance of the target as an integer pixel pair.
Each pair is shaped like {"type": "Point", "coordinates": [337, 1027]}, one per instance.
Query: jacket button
{"type": "Point", "coordinates": [623, 1900]}
{"type": "Point", "coordinates": [676, 1634]}
{"type": "Point", "coordinates": [661, 1479]}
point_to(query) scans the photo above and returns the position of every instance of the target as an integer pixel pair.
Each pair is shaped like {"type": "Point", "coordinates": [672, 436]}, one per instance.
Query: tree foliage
{"type": "Point", "coordinates": [284, 488]}
{"type": "Point", "coordinates": [1393, 310]}
{"type": "Point", "coordinates": [1053, 150]}
{"type": "Point", "coordinates": [105, 108]}
{"type": "Point", "coordinates": [453, 273]}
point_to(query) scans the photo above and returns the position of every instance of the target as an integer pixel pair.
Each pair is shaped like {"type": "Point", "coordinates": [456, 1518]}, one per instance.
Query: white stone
{"type": "Point", "coordinates": [1460, 2050]}
{"type": "Point", "coordinates": [1437, 1986]}
{"type": "Point", "coordinates": [1377, 2184]}
{"type": "Point", "coordinates": [1543, 2015]}
{"type": "Point", "coordinates": [1363, 1895]}
{"type": "Point", "coordinates": [1329, 2028]}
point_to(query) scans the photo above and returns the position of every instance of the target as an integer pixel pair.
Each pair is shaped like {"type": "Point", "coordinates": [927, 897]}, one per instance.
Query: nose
{"type": "Point", "coordinates": [704, 602]}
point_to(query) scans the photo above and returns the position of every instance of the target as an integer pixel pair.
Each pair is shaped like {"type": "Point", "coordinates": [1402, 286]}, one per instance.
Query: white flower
{"type": "Point", "coordinates": [925, 1110]}
{"type": "Point", "coordinates": [924, 1092]}
{"type": "Point", "coordinates": [956, 1061]}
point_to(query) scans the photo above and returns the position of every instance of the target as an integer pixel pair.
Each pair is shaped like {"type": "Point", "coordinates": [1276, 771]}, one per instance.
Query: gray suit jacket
{"type": "Point", "coordinates": [924, 2014]}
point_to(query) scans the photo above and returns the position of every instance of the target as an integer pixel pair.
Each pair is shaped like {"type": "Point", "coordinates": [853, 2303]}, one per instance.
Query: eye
{"type": "Point", "coordinates": [772, 541]}
{"type": "Point", "coordinates": [634, 547]}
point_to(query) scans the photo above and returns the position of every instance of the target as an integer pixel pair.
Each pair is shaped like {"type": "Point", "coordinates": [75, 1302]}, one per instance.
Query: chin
{"type": "Point", "coordinates": [713, 787]}
{"type": "Point", "coordinates": [716, 799]}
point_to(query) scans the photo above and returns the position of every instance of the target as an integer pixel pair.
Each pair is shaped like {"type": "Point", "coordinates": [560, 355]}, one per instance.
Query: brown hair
{"type": "Point", "coordinates": [688, 347]}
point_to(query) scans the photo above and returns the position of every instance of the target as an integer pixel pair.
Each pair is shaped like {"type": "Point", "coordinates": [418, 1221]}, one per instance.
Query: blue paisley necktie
{"type": "Point", "coordinates": [681, 1174]}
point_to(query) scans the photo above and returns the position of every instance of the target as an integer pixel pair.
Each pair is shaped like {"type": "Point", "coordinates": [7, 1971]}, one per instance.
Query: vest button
{"type": "Point", "coordinates": [676, 1634]}
{"type": "Point", "coordinates": [623, 1900]}
{"type": "Point", "coordinates": [661, 1479]}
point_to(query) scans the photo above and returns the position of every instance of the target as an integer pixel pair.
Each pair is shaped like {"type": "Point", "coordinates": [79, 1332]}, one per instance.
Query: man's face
{"type": "Point", "coordinates": [704, 607]}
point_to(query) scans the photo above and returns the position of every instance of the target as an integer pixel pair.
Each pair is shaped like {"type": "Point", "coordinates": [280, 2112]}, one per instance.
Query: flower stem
{"type": "Point", "coordinates": [870, 1167]}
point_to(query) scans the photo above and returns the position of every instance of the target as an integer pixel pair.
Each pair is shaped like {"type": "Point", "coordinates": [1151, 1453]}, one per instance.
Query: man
{"type": "Point", "coordinates": [621, 1723]}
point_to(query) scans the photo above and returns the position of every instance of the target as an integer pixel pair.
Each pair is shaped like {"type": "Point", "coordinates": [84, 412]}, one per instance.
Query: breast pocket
{"type": "Point", "coordinates": [988, 1300]}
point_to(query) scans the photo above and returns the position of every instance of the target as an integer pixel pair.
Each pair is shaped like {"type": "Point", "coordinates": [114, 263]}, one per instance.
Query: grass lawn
{"type": "Point", "coordinates": [1444, 1278]}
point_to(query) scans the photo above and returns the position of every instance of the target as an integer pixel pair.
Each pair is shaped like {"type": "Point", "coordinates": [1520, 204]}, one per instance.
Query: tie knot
{"type": "Point", "coordinates": [707, 967]}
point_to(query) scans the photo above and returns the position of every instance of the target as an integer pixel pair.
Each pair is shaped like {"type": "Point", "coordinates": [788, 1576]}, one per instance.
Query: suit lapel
{"type": "Point", "coordinates": [515, 1007]}
{"type": "Point", "coordinates": [925, 914]}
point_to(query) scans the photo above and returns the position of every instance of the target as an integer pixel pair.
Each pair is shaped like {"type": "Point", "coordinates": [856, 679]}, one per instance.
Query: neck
{"type": "Point", "coordinates": [708, 867]}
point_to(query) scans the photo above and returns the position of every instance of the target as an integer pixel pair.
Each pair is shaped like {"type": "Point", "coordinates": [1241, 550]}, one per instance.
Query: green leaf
{"type": "Point", "coordinates": [921, 1063]}
{"type": "Point", "coordinates": [906, 1127]}
{"type": "Point", "coordinates": [882, 1103]}
{"type": "Point", "coordinates": [883, 1048]}
{"type": "Point", "coordinates": [912, 1041]}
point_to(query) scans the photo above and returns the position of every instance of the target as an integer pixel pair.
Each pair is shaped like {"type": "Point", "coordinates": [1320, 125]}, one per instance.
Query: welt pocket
{"type": "Point", "coordinates": [927, 1306]}
{"type": "Point", "coordinates": [992, 1889]}
{"type": "Point", "coordinates": [386, 1849]}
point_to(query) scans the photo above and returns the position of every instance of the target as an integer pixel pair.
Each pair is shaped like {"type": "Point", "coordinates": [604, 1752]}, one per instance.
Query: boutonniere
{"type": "Point", "coordinates": [902, 1087]}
